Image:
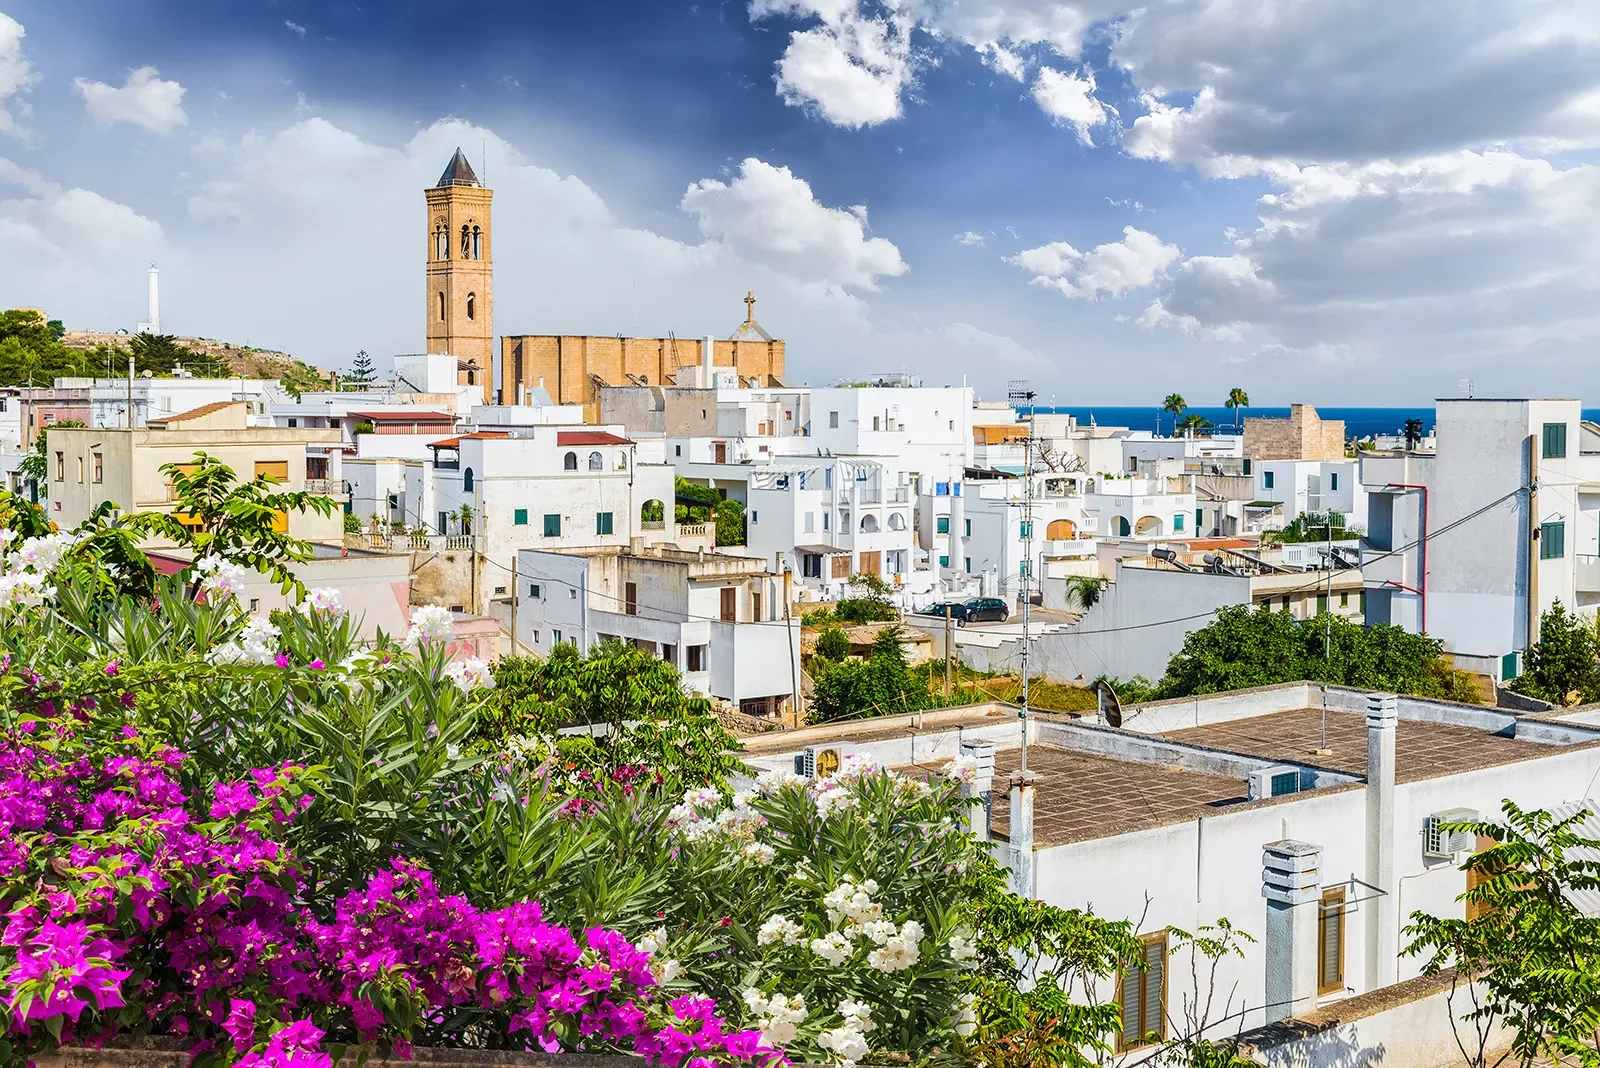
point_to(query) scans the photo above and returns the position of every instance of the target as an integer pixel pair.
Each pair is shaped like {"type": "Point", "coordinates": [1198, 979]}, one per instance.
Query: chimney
{"type": "Point", "coordinates": [708, 357]}
{"type": "Point", "coordinates": [1383, 932]}
{"type": "Point", "coordinates": [981, 787]}
{"type": "Point", "coordinates": [1291, 882]}
{"type": "Point", "coordinates": [1021, 832]}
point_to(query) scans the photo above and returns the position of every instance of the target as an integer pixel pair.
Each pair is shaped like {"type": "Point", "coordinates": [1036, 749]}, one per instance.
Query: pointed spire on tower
{"type": "Point", "coordinates": [457, 172]}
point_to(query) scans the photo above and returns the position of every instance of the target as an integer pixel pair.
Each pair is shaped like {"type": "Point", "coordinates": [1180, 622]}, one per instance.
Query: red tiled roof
{"type": "Point", "coordinates": [194, 413]}
{"type": "Point", "coordinates": [589, 437]}
{"type": "Point", "coordinates": [455, 442]}
{"type": "Point", "coordinates": [405, 417]}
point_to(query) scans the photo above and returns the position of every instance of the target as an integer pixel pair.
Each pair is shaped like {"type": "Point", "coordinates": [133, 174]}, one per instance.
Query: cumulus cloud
{"type": "Point", "coordinates": [767, 214]}
{"type": "Point", "coordinates": [970, 238]}
{"type": "Point", "coordinates": [16, 75]}
{"type": "Point", "coordinates": [1112, 269]}
{"type": "Point", "coordinates": [145, 100]}
{"type": "Point", "coordinates": [851, 70]}
{"type": "Point", "coordinates": [294, 28]}
{"type": "Point", "coordinates": [1068, 98]}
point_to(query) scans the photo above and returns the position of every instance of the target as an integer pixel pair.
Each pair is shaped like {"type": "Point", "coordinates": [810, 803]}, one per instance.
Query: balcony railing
{"type": "Point", "coordinates": [328, 487]}
{"type": "Point", "coordinates": [869, 496]}
{"type": "Point", "coordinates": [653, 524]}
{"type": "Point", "coordinates": [1588, 577]}
{"type": "Point", "coordinates": [694, 530]}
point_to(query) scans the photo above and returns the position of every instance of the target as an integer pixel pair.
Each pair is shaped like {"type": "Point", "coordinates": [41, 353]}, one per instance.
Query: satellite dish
{"type": "Point", "coordinates": [1110, 706]}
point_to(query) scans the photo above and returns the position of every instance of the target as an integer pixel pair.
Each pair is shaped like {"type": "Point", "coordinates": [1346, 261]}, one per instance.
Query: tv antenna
{"type": "Point", "coordinates": [1019, 393]}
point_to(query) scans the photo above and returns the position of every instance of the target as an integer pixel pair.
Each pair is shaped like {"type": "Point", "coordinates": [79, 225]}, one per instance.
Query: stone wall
{"type": "Point", "coordinates": [1302, 436]}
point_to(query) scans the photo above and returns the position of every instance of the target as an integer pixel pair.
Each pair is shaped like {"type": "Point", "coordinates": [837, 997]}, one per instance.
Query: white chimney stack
{"type": "Point", "coordinates": [1290, 881]}
{"type": "Point", "coordinates": [708, 356]}
{"type": "Point", "coordinates": [1383, 920]}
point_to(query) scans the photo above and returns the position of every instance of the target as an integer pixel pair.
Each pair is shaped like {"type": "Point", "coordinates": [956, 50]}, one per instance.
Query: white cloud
{"type": "Point", "coordinates": [767, 214]}
{"type": "Point", "coordinates": [851, 70]}
{"type": "Point", "coordinates": [1112, 269]}
{"type": "Point", "coordinates": [145, 100]}
{"type": "Point", "coordinates": [16, 75]}
{"type": "Point", "coordinates": [294, 28]}
{"type": "Point", "coordinates": [970, 238]}
{"type": "Point", "coordinates": [1069, 99]}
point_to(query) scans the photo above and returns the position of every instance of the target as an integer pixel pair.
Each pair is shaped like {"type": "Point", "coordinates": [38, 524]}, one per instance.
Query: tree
{"type": "Point", "coordinates": [57, 328]}
{"type": "Point", "coordinates": [1193, 421]}
{"type": "Point", "coordinates": [214, 514]}
{"type": "Point", "coordinates": [879, 685]}
{"type": "Point", "coordinates": [1237, 399]}
{"type": "Point", "coordinates": [157, 353]}
{"type": "Point", "coordinates": [729, 515]}
{"type": "Point", "coordinates": [1524, 943]}
{"type": "Point", "coordinates": [1174, 404]}
{"type": "Point", "coordinates": [1562, 666]}
{"type": "Point", "coordinates": [35, 467]}
{"type": "Point", "coordinates": [1413, 433]}
{"type": "Point", "coordinates": [833, 643]}
{"type": "Point", "coordinates": [31, 352]}
{"type": "Point", "coordinates": [1086, 590]}
{"type": "Point", "coordinates": [361, 373]}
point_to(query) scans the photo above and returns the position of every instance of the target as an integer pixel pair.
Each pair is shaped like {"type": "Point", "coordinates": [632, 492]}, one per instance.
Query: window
{"type": "Point", "coordinates": [942, 525]}
{"type": "Point", "coordinates": [1266, 479]}
{"type": "Point", "coordinates": [967, 528]}
{"type": "Point", "coordinates": [968, 562]}
{"type": "Point", "coordinates": [466, 481]}
{"type": "Point", "coordinates": [875, 422]}
{"type": "Point", "coordinates": [811, 566]}
{"type": "Point", "coordinates": [441, 305]}
{"type": "Point", "coordinates": [466, 241]}
{"type": "Point", "coordinates": [293, 422]}
{"type": "Point", "coordinates": [696, 658]}
{"type": "Point", "coordinates": [1344, 599]}
{"type": "Point", "coordinates": [730, 604]}
{"type": "Point", "coordinates": [255, 604]}
{"type": "Point", "coordinates": [1199, 518]}
{"type": "Point", "coordinates": [1177, 522]}
{"type": "Point", "coordinates": [826, 519]}
{"type": "Point", "coordinates": [99, 467]}
{"type": "Point", "coordinates": [602, 522]}
{"type": "Point", "coordinates": [810, 522]}
{"type": "Point", "coordinates": [1142, 993]}
{"type": "Point", "coordinates": [630, 598]}
{"type": "Point", "coordinates": [1552, 540]}
{"type": "Point", "coordinates": [555, 637]}
{"type": "Point", "coordinates": [61, 467]}
{"type": "Point", "coordinates": [1285, 603]}
{"type": "Point", "coordinates": [569, 462]}
{"type": "Point", "coordinates": [1333, 480]}
{"type": "Point", "coordinates": [1322, 603]}
{"type": "Point", "coordinates": [833, 420]}
{"type": "Point", "coordinates": [1330, 942]}
{"type": "Point", "coordinates": [572, 595]}
{"type": "Point", "coordinates": [444, 521]}
{"type": "Point", "coordinates": [520, 517]}
{"type": "Point", "coordinates": [552, 525]}
{"type": "Point", "coordinates": [755, 517]}
{"type": "Point", "coordinates": [1555, 441]}
{"type": "Point", "coordinates": [477, 243]}
{"type": "Point", "coordinates": [316, 467]}
{"type": "Point", "coordinates": [533, 589]}
{"type": "Point", "coordinates": [277, 470]}
{"type": "Point", "coordinates": [841, 567]}
{"type": "Point", "coordinates": [472, 305]}
{"type": "Point", "coordinates": [677, 450]}
{"type": "Point", "coordinates": [827, 478]}
{"type": "Point", "coordinates": [944, 560]}
{"type": "Point", "coordinates": [80, 470]}
{"type": "Point", "coordinates": [597, 462]}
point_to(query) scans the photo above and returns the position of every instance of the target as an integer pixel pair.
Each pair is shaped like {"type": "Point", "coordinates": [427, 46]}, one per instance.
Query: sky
{"type": "Point", "coordinates": [1335, 201]}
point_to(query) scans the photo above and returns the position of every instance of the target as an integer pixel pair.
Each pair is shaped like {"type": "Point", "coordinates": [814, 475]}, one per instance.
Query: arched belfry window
{"type": "Point", "coordinates": [477, 243]}
{"type": "Point", "coordinates": [472, 306]}
{"type": "Point", "coordinates": [466, 241]}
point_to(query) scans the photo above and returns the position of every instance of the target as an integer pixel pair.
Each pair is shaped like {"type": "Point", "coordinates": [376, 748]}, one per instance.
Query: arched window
{"type": "Point", "coordinates": [597, 462]}
{"type": "Point", "coordinates": [441, 243]}
{"type": "Point", "coordinates": [569, 462]}
{"type": "Point", "coordinates": [441, 305]}
{"type": "Point", "coordinates": [1120, 525]}
{"type": "Point", "coordinates": [1147, 527]}
{"type": "Point", "coordinates": [869, 524]}
{"type": "Point", "coordinates": [466, 241]}
{"type": "Point", "coordinates": [897, 521]}
{"type": "Point", "coordinates": [477, 243]}
{"type": "Point", "coordinates": [466, 481]}
{"type": "Point", "coordinates": [1061, 530]}
{"type": "Point", "coordinates": [472, 306]}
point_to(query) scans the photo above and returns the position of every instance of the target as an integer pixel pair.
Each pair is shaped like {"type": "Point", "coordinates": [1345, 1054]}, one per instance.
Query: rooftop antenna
{"type": "Point", "coordinates": [1018, 392]}
{"type": "Point", "coordinates": [1467, 387]}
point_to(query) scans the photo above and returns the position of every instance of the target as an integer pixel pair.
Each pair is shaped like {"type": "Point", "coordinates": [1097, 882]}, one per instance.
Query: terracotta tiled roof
{"type": "Point", "coordinates": [405, 417]}
{"type": "Point", "coordinates": [455, 442]}
{"type": "Point", "coordinates": [589, 437]}
{"type": "Point", "coordinates": [194, 413]}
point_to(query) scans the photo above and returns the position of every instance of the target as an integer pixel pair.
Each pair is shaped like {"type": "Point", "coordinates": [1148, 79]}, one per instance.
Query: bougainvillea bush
{"type": "Point", "coordinates": [282, 843]}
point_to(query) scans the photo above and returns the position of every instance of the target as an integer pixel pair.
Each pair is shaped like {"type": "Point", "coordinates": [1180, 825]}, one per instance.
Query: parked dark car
{"type": "Point", "coordinates": [986, 610]}
{"type": "Point", "coordinates": [958, 610]}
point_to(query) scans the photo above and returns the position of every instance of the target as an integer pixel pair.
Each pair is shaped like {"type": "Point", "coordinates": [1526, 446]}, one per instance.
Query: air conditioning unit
{"type": "Point", "coordinates": [822, 761]}
{"type": "Point", "coordinates": [1274, 781]}
{"type": "Point", "coordinates": [1445, 845]}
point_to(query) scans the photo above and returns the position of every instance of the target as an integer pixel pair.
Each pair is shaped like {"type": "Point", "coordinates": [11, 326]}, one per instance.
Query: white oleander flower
{"type": "Point", "coordinates": [777, 1017]}
{"type": "Point", "coordinates": [967, 1017]}
{"type": "Point", "coordinates": [257, 643]}
{"type": "Point", "coordinates": [220, 578]}
{"type": "Point", "coordinates": [652, 941]}
{"type": "Point", "coordinates": [833, 947]}
{"type": "Point", "coordinates": [43, 553]}
{"type": "Point", "coordinates": [847, 1044]}
{"type": "Point", "coordinates": [879, 931]}
{"type": "Point", "coordinates": [470, 674]}
{"type": "Point", "coordinates": [759, 853]}
{"type": "Point", "coordinates": [962, 769]}
{"type": "Point", "coordinates": [665, 971]}
{"type": "Point", "coordinates": [899, 952]}
{"type": "Point", "coordinates": [962, 949]}
{"type": "Point", "coordinates": [852, 902]}
{"type": "Point", "coordinates": [24, 589]}
{"type": "Point", "coordinates": [430, 623]}
{"type": "Point", "coordinates": [831, 797]}
{"type": "Point", "coordinates": [326, 600]}
{"type": "Point", "coordinates": [770, 782]}
{"type": "Point", "coordinates": [779, 928]}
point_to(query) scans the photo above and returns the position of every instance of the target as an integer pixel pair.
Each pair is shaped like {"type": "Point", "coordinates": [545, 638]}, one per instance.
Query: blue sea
{"type": "Point", "coordinates": [1358, 422]}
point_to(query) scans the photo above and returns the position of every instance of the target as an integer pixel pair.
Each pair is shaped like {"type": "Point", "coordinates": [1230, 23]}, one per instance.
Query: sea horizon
{"type": "Point", "coordinates": [1358, 422]}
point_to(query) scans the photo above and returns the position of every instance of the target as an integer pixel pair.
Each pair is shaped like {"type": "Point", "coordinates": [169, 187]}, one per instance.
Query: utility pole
{"type": "Point", "coordinates": [514, 595]}
{"type": "Point", "coordinates": [947, 650]}
{"type": "Point", "coordinates": [1019, 393]}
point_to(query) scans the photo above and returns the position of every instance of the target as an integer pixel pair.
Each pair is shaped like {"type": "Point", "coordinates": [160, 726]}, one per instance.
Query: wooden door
{"type": "Point", "coordinates": [730, 604]}
{"type": "Point", "coordinates": [871, 563]}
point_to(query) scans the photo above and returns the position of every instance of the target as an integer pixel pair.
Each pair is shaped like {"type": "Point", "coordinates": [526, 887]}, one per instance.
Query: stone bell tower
{"type": "Point", "coordinates": [460, 274]}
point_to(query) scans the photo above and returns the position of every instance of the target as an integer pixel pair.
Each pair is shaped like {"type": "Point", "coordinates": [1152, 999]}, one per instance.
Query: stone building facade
{"type": "Point", "coordinates": [1302, 436]}
{"type": "Point", "coordinates": [459, 296]}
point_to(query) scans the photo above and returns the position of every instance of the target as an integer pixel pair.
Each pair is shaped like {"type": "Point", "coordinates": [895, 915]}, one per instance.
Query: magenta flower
{"type": "Point", "coordinates": [318, 665]}
{"type": "Point", "coordinates": [282, 660]}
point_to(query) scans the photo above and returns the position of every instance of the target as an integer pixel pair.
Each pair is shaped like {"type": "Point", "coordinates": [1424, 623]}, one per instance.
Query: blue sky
{"type": "Point", "coordinates": [1343, 201]}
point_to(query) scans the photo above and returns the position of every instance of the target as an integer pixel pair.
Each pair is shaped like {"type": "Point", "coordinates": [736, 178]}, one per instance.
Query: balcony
{"type": "Point", "coordinates": [869, 496]}
{"type": "Point", "coordinates": [653, 524]}
{"type": "Point", "coordinates": [692, 530]}
{"type": "Point", "coordinates": [337, 488]}
{"type": "Point", "coordinates": [1588, 576]}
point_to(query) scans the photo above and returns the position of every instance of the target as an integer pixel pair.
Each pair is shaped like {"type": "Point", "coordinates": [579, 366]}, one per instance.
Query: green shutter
{"type": "Point", "coordinates": [1552, 540]}
{"type": "Point", "coordinates": [942, 525]}
{"type": "Point", "coordinates": [552, 525]}
{"type": "Point", "coordinates": [602, 522]}
{"type": "Point", "coordinates": [520, 517]}
{"type": "Point", "coordinates": [1555, 441]}
{"type": "Point", "coordinates": [1322, 603]}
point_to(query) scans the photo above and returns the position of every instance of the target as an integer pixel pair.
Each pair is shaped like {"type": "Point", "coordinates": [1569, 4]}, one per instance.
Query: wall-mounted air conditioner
{"type": "Point", "coordinates": [822, 761]}
{"type": "Point", "coordinates": [1274, 781]}
{"type": "Point", "coordinates": [1439, 843]}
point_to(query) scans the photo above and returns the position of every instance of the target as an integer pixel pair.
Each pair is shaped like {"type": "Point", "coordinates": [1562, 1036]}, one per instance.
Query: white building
{"type": "Point", "coordinates": [1316, 833]}
{"type": "Point", "coordinates": [1313, 486]}
{"type": "Point", "coordinates": [1473, 543]}
{"type": "Point", "coordinates": [157, 398]}
{"type": "Point", "coordinates": [719, 618]}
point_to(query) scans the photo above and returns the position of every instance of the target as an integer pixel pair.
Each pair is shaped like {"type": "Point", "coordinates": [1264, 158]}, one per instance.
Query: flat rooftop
{"type": "Point", "coordinates": [1081, 796]}
{"type": "Point", "coordinates": [1422, 750]}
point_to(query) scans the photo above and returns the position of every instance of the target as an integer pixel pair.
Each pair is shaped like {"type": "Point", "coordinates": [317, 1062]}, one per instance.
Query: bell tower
{"type": "Point", "coordinates": [459, 296]}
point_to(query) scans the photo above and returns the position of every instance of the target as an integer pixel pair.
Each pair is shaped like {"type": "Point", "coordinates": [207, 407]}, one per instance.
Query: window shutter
{"type": "Point", "coordinates": [1132, 985]}
{"type": "Point", "coordinates": [1155, 988]}
{"type": "Point", "coordinates": [1330, 942]}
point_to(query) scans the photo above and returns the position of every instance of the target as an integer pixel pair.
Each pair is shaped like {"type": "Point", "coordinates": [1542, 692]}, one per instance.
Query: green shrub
{"type": "Point", "coordinates": [833, 643]}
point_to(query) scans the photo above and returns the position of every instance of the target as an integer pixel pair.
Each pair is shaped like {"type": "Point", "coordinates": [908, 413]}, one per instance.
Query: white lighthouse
{"type": "Point", "coordinates": [154, 325]}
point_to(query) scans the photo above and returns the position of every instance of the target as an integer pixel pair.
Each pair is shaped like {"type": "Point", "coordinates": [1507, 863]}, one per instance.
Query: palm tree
{"type": "Point", "coordinates": [1193, 421]}
{"type": "Point", "coordinates": [1237, 398]}
{"type": "Point", "coordinates": [1086, 589]}
{"type": "Point", "coordinates": [1174, 404]}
